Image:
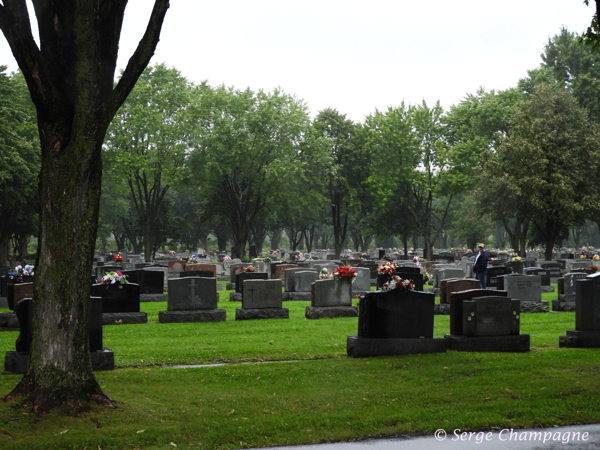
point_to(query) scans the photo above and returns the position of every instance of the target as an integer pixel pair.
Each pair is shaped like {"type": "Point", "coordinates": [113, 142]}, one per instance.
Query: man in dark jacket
{"type": "Point", "coordinates": [480, 266]}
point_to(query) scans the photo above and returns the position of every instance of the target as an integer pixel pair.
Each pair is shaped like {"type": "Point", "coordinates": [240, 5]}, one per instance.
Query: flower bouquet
{"type": "Point", "coordinates": [324, 274]}
{"type": "Point", "coordinates": [516, 259]}
{"type": "Point", "coordinates": [117, 258]}
{"type": "Point", "coordinates": [171, 252]}
{"type": "Point", "coordinates": [19, 272]}
{"type": "Point", "coordinates": [344, 273]}
{"type": "Point", "coordinates": [194, 259]}
{"type": "Point", "coordinates": [596, 257]}
{"type": "Point", "coordinates": [113, 278]}
{"type": "Point", "coordinates": [398, 283]}
{"type": "Point", "coordinates": [386, 268]}
{"type": "Point", "coordinates": [250, 268]}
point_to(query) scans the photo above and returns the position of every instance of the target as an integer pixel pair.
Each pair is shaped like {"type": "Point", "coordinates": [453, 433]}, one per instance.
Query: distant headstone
{"type": "Point", "coordinates": [261, 299]}
{"type": "Point", "coordinates": [205, 267]}
{"type": "Point", "coordinates": [192, 293]}
{"type": "Point", "coordinates": [303, 280]}
{"type": "Point", "coordinates": [362, 282]}
{"type": "Point", "coordinates": [280, 270]}
{"type": "Point", "coordinates": [243, 276]}
{"type": "Point", "coordinates": [177, 266]}
{"type": "Point", "coordinates": [447, 287]}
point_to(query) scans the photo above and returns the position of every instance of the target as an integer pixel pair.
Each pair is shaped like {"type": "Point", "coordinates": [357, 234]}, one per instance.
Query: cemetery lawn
{"type": "Point", "coordinates": [312, 392]}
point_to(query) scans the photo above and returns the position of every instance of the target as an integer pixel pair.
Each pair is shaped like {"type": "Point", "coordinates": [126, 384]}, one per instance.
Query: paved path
{"type": "Point", "coordinates": [581, 437]}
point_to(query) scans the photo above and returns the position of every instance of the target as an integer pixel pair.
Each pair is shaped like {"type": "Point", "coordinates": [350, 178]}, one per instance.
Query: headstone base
{"type": "Point", "coordinates": [314, 312]}
{"type": "Point", "coordinates": [563, 306]}
{"type": "Point", "coordinates": [580, 339]}
{"type": "Point", "coordinates": [534, 307]}
{"type": "Point", "coordinates": [263, 313]}
{"type": "Point", "coordinates": [441, 309]}
{"type": "Point", "coordinates": [548, 289]}
{"type": "Point", "coordinates": [123, 318]}
{"type": "Point", "coordinates": [199, 315]}
{"type": "Point", "coordinates": [9, 320]}
{"type": "Point", "coordinates": [515, 343]}
{"type": "Point", "coordinates": [16, 362]}
{"type": "Point", "coordinates": [359, 347]}
{"type": "Point", "coordinates": [154, 297]}
{"type": "Point", "coordinates": [231, 286]}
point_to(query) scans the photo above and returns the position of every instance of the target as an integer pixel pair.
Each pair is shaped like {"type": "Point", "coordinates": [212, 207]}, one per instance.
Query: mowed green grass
{"type": "Point", "coordinates": [302, 388]}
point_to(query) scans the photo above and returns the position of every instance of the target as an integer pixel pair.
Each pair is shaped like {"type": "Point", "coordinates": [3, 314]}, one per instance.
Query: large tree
{"type": "Point", "coordinates": [146, 143]}
{"type": "Point", "coordinates": [549, 161]}
{"type": "Point", "coordinates": [71, 80]}
{"type": "Point", "coordinates": [247, 148]}
{"type": "Point", "coordinates": [591, 36]}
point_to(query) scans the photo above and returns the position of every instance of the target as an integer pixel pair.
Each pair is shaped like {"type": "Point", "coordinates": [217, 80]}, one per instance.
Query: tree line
{"type": "Point", "coordinates": [182, 161]}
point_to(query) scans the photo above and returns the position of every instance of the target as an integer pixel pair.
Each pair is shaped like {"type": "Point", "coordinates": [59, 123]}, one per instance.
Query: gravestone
{"type": "Point", "coordinates": [553, 266]}
{"type": "Point", "coordinates": [543, 273]}
{"type": "Point", "coordinates": [327, 293]}
{"type": "Point", "coordinates": [489, 324]}
{"type": "Point", "coordinates": [371, 265]}
{"type": "Point", "coordinates": [281, 268]}
{"type": "Point", "coordinates": [234, 269]}
{"type": "Point", "coordinates": [261, 299]}
{"type": "Point", "coordinates": [192, 299]}
{"type": "Point", "coordinates": [436, 272]}
{"type": "Point", "coordinates": [492, 274]}
{"type": "Point", "coordinates": [456, 306]}
{"type": "Point", "coordinates": [120, 303]}
{"type": "Point", "coordinates": [204, 267]}
{"type": "Point", "coordinates": [362, 282]}
{"type": "Point", "coordinates": [456, 285]}
{"type": "Point", "coordinates": [303, 280]}
{"type": "Point", "coordinates": [17, 292]}
{"type": "Point", "coordinates": [243, 276]}
{"type": "Point", "coordinates": [177, 266]}
{"type": "Point", "coordinates": [165, 271]}
{"type": "Point", "coordinates": [515, 266]}
{"type": "Point", "coordinates": [102, 270]}
{"type": "Point", "coordinates": [587, 315]}
{"type": "Point", "coordinates": [395, 322]}
{"type": "Point", "coordinates": [289, 277]}
{"type": "Point", "coordinates": [102, 358]}
{"type": "Point", "coordinates": [273, 268]}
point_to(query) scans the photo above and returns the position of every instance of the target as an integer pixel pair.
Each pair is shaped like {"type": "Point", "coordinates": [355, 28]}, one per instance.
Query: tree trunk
{"type": "Point", "coordinates": [365, 244]}
{"type": "Point", "coordinates": [4, 252]}
{"type": "Point", "coordinates": [60, 368]}
{"type": "Point", "coordinates": [275, 239]}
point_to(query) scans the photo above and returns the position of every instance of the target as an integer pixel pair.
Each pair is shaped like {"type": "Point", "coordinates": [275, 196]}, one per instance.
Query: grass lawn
{"type": "Point", "coordinates": [312, 392]}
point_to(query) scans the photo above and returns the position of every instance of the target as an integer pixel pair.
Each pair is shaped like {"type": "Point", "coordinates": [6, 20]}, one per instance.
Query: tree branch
{"type": "Point", "coordinates": [140, 59]}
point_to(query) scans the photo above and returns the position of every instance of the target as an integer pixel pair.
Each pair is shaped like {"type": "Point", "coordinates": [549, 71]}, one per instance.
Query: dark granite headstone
{"type": "Point", "coordinates": [118, 298]}
{"type": "Point", "coordinates": [261, 294]}
{"type": "Point", "coordinates": [23, 312]}
{"type": "Point", "coordinates": [456, 305]}
{"type": "Point", "coordinates": [241, 277]}
{"type": "Point", "coordinates": [491, 316]}
{"type": "Point", "coordinates": [587, 312]}
{"type": "Point", "coordinates": [17, 292]}
{"type": "Point", "coordinates": [544, 273]}
{"type": "Point", "coordinates": [192, 293]}
{"type": "Point", "coordinates": [396, 314]}
{"type": "Point", "coordinates": [493, 273]}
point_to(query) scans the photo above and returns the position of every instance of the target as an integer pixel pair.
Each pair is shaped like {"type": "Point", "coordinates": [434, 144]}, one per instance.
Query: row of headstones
{"type": "Point", "coordinates": [401, 322]}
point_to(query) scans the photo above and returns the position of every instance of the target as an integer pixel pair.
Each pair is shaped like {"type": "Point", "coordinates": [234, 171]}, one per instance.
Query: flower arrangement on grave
{"type": "Point", "coordinates": [171, 252]}
{"type": "Point", "coordinates": [583, 256]}
{"type": "Point", "coordinates": [386, 268]}
{"type": "Point", "coordinates": [19, 272]}
{"type": "Point", "coordinates": [117, 258]}
{"type": "Point", "coordinates": [417, 261]}
{"type": "Point", "coordinates": [592, 267]}
{"type": "Point", "coordinates": [401, 284]}
{"type": "Point", "coordinates": [113, 278]}
{"type": "Point", "coordinates": [226, 258]}
{"type": "Point", "coordinates": [364, 256]}
{"type": "Point", "coordinates": [387, 258]}
{"type": "Point", "coordinates": [516, 259]}
{"type": "Point", "coordinates": [344, 273]}
{"type": "Point", "coordinates": [596, 257]}
{"type": "Point", "coordinates": [194, 259]}
{"type": "Point", "coordinates": [426, 275]}
{"type": "Point", "coordinates": [300, 257]}
{"type": "Point", "coordinates": [250, 268]}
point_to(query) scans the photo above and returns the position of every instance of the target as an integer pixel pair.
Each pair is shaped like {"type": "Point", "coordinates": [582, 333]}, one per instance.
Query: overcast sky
{"type": "Point", "coordinates": [355, 56]}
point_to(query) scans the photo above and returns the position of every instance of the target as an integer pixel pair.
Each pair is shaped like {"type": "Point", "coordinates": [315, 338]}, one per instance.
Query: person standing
{"type": "Point", "coordinates": [480, 266]}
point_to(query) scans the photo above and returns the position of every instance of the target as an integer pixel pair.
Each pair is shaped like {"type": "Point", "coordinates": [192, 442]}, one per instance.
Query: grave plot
{"type": "Point", "coordinates": [192, 299]}
{"type": "Point", "coordinates": [587, 315]}
{"type": "Point", "coordinates": [395, 322]}
{"type": "Point", "coordinates": [483, 320]}
{"type": "Point", "coordinates": [261, 299]}
{"type": "Point", "coordinates": [102, 358]}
